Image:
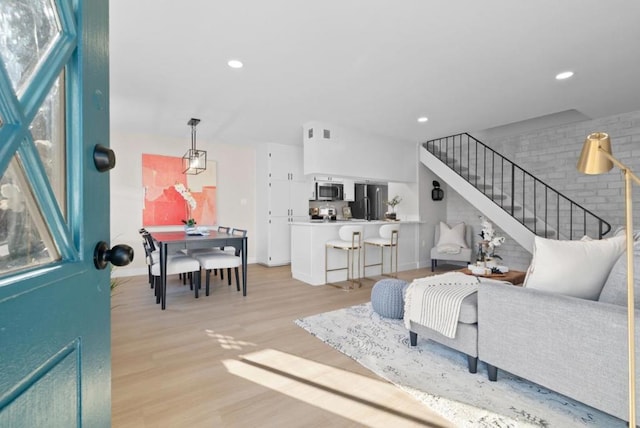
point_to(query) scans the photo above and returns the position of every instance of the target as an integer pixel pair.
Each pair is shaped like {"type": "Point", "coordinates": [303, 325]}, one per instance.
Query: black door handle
{"type": "Point", "coordinates": [103, 158]}
{"type": "Point", "coordinates": [120, 255]}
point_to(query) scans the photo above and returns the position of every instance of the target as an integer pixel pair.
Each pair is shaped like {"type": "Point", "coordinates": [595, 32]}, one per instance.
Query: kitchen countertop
{"type": "Point", "coordinates": [342, 222]}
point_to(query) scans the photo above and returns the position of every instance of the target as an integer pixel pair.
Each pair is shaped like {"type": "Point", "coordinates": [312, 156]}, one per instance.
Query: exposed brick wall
{"type": "Point", "coordinates": [551, 155]}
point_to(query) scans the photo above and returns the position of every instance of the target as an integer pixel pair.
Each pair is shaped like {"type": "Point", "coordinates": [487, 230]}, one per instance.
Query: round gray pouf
{"type": "Point", "coordinates": [387, 297]}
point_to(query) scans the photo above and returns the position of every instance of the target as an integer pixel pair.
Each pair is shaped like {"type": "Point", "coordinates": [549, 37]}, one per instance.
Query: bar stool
{"type": "Point", "coordinates": [388, 239]}
{"type": "Point", "coordinates": [350, 241]}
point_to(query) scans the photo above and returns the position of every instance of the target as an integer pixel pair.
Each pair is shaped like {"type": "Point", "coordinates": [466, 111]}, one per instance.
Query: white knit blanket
{"type": "Point", "coordinates": [435, 301]}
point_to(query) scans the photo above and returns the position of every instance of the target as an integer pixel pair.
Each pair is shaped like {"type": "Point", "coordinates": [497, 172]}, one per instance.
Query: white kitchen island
{"type": "Point", "coordinates": [308, 250]}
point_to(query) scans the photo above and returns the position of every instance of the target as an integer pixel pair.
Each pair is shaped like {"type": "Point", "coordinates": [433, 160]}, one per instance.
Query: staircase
{"type": "Point", "coordinates": [518, 202]}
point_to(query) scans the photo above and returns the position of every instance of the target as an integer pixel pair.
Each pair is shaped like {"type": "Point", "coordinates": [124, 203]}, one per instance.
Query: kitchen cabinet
{"type": "Point", "coordinates": [325, 178]}
{"type": "Point", "coordinates": [281, 198]}
{"type": "Point", "coordinates": [349, 193]}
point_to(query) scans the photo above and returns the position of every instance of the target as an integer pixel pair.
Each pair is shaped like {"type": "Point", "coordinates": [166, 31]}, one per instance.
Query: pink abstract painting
{"type": "Point", "coordinates": [163, 205]}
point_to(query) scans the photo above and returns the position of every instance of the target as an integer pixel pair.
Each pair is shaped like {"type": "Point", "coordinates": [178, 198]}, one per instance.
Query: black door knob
{"type": "Point", "coordinates": [103, 158]}
{"type": "Point", "coordinates": [120, 255]}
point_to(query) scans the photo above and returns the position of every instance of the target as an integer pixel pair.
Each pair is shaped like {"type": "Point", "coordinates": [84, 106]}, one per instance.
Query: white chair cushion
{"type": "Point", "coordinates": [449, 249]}
{"type": "Point", "coordinates": [219, 260]}
{"type": "Point", "coordinates": [177, 264]}
{"type": "Point", "coordinates": [574, 268]}
{"type": "Point", "coordinates": [452, 236]}
{"type": "Point", "coordinates": [345, 245]}
{"type": "Point", "coordinates": [381, 242]}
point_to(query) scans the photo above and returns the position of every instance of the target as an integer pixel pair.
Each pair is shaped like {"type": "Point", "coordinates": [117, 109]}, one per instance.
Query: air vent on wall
{"type": "Point", "coordinates": [326, 134]}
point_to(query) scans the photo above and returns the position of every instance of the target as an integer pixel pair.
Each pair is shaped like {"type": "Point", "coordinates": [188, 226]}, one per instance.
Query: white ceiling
{"type": "Point", "coordinates": [371, 65]}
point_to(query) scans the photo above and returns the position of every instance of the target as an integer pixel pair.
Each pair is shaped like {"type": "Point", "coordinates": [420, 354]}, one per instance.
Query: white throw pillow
{"type": "Point", "coordinates": [452, 236]}
{"type": "Point", "coordinates": [573, 268]}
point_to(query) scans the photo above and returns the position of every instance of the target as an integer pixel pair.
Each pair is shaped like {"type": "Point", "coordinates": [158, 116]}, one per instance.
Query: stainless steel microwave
{"type": "Point", "coordinates": [328, 191]}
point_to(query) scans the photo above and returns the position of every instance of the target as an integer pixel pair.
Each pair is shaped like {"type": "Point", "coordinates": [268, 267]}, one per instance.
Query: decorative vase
{"type": "Point", "coordinates": [189, 229]}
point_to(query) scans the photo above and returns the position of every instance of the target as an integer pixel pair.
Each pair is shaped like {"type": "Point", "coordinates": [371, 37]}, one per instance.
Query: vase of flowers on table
{"type": "Point", "coordinates": [487, 246]}
{"type": "Point", "coordinates": [190, 201]}
{"type": "Point", "coordinates": [391, 215]}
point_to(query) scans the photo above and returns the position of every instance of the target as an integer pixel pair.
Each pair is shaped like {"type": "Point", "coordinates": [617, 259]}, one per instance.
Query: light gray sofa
{"type": "Point", "coordinates": [573, 346]}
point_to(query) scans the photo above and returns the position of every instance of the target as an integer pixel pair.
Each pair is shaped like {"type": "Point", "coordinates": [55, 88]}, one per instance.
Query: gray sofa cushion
{"type": "Point", "coordinates": [615, 288]}
{"type": "Point", "coordinates": [469, 309]}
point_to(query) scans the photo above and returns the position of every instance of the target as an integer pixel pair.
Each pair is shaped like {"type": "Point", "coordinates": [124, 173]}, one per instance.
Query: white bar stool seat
{"type": "Point", "coordinates": [350, 241]}
{"type": "Point", "coordinates": [388, 238]}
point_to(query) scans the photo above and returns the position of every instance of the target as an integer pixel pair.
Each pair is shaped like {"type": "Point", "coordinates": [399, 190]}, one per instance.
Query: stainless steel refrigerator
{"type": "Point", "coordinates": [370, 201]}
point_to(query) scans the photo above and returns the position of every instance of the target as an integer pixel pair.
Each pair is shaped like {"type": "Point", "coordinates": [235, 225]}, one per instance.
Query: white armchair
{"type": "Point", "coordinates": [451, 243]}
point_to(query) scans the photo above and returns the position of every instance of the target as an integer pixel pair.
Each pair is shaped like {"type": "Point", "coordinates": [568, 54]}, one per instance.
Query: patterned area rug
{"type": "Point", "coordinates": [438, 376]}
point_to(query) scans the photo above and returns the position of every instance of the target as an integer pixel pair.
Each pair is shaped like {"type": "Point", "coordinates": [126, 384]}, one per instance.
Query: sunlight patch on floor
{"type": "Point", "coordinates": [349, 395]}
{"type": "Point", "coordinates": [228, 342]}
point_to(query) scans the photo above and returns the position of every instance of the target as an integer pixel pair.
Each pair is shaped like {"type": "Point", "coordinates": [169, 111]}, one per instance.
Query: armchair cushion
{"type": "Point", "coordinates": [452, 239]}
{"type": "Point", "coordinates": [573, 268]}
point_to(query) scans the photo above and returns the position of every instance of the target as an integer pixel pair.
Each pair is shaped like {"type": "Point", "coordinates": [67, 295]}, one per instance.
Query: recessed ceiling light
{"type": "Point", "coordinates": [234, 63]}
{"type": "Point", "coordinates": [564, 75]}
{"type": "Point", "coordinates": [423, 119]}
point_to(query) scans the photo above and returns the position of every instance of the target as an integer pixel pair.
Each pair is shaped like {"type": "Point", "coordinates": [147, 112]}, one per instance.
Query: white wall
{"type": "Point", "coordinates": [350, 153]}
{"type": "Point", "coordinates": [431, 212]}
{"type": "Point", "coordinates": [235, 195]}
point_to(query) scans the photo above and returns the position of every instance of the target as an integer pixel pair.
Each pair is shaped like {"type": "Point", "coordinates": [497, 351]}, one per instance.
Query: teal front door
{"type": "Point", "coordinates": [54, 209]}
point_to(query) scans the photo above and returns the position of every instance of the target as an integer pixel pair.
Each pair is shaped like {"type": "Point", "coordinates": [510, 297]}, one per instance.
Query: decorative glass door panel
{"type": "Point", "coordinates": [54, 211]}
{"type": "Point", "coordinates": [29, 30]}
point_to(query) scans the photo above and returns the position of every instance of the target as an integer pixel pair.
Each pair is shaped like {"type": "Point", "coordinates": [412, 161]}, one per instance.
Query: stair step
{"type": "Point", "coordinates": [548, 234]}
{"type": "Point", "coordinates": [516, 209]}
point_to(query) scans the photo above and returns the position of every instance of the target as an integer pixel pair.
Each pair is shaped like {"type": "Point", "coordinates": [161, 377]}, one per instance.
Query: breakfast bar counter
{"type": "Point", "coordinates": [308, 249]}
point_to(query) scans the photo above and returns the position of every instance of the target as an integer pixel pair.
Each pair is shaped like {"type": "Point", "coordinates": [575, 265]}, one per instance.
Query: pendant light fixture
{"type": "Point", "coordinates": [194, 161]}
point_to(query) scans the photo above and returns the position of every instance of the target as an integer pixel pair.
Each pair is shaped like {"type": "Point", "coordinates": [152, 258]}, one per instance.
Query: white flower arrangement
{"type": "Point", "coordinates": [189, 199]}
{"type": "Point", "coordinates": [489, 239]}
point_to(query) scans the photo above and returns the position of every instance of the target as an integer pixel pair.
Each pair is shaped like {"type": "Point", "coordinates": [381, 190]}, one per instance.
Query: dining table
{"type": "Point", "coordinates": [171, 242]}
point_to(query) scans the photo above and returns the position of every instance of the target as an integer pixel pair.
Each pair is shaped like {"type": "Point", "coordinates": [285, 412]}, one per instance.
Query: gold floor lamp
{"type": "Point", "coordinates": [596, 158]}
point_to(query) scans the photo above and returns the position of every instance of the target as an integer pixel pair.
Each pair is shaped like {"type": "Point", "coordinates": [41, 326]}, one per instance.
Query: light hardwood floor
{"type": "Point", "coordinates": [225, 360]}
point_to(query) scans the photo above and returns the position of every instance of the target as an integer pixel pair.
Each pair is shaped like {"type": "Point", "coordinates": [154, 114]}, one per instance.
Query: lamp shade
{"type": "Point", "coordinates": [592, 161]}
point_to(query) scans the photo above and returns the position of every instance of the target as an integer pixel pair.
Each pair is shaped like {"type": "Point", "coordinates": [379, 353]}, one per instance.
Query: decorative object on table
{"type": "Point", "coordinates": [194, 161]}
{"type": "Point", "coordinates": [189, 222]}
{"type": "Point", "coordinates": [486, 271]}
{"type": "Point", "coordinates": [437, 376]}
{"type": "Point", "coordinates": [596, 158]}
{"type": "Point", "coordinates": [488, 244]}
{"type": "Point", "coordinates": [437, 194]}
{"type": "Point", "coordinates": [391, 215]}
